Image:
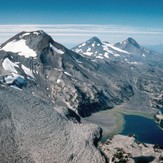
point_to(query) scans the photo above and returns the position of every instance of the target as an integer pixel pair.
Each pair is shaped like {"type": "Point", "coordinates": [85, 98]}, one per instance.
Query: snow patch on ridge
{"type": "Point", "coordinates": [15, 87]}
{"type": "Point", "coordinates": [105, 48]}
{"type": "Point", "coordinates": [99, 57]}
{"type": "Point", "coordinates": [58, 81]}
{"type": "Point", "coordinates": [19, 47]}
{"type": "Point", "coordinates": [56, 49]}
{"type": "Point", "coordinates": [36, 33]}
{"type": "Point", "coordinates": [27, 71]}
{"type": "Point", "coordinates": [25, 34]}
{"type": "Point", "coordinates": [9, 65]}
{"type": "Point", "coordinates": [93, 45]}
{"type": "Point", "coordinates": [116, 55]}
{"type": "Point", "coordinates": [9, 79]}
{"type": "Point", "coordinates": [115, 48]}
{"type": "Point", "coordinates": [88, 53]}
{"type": "Point", "coordinates": [89, 49]}
{"type": "Point", "coordinates": [106, 55]}
{"type": "Point", "coordinates": [83, 44]}
{"type": "Point", "coordinates": [66, 73]}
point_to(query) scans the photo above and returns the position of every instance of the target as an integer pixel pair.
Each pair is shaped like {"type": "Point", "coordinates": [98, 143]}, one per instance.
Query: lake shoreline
{"type": "Point", "coordinates": [112, 121]}
{"type": "Point", "coordinates": [144, 129]}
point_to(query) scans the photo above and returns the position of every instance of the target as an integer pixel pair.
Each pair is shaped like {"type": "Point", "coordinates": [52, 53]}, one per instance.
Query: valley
{"type": "Point", "coordinates": [55, 102]}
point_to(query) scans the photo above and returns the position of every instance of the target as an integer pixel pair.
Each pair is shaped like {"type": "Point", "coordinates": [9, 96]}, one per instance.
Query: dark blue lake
{"type": "Point", "coordinates": [146, 130]}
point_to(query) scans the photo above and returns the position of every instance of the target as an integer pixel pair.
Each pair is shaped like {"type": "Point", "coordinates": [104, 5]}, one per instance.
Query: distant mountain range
{"type": "Point", "coordinates": [95, 48]}
{"type": "Point", "coordinates": [42, 82]}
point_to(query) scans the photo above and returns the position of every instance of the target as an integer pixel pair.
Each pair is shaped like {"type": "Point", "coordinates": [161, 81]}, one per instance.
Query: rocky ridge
{"type": "Point", "coordinates": [126, 149]}
{"type": "Point", "coordinates": [33, 130]}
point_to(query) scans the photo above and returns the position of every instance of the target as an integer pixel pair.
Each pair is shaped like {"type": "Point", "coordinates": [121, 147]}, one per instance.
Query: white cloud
{"type": "Point", "coordinates": [72, 34]}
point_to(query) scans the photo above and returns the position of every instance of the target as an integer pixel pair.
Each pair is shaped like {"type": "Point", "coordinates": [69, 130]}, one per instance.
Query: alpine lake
{"type": "Point", "coordinates": [139, 124]}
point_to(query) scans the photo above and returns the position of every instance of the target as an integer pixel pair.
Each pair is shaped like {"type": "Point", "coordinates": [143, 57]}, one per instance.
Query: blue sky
{"type": "Point", "coordinates": [137, 15]}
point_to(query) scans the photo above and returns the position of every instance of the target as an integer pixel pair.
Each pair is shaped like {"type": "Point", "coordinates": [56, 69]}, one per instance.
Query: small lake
{"type": "Point", "coordinates": [146, 130]}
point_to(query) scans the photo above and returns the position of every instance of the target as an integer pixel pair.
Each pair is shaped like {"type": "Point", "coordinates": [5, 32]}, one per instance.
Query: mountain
{"type": "Point", "coordinates": [84, 83]}
{"type": "Point", "coordinates": [136, 62]}
{"type": "Point", "coordinates": [96, 49]}
{"type": "Point", "coordinates": [125, 51]}
{"type": "Point", "coordinates": [132, 46]}
{"type": "Point", "coordinates": [34, 127]}
{"type": "Point", "coordinates": [141, 54]}
{"type": "Point", "coordinates": [61, 74]}
{"type": "Point", "coordinates": [46, 88]}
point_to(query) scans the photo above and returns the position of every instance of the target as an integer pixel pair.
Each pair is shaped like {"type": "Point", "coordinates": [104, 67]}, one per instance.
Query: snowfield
{"type": "Point", "coordinates": [19, 47]}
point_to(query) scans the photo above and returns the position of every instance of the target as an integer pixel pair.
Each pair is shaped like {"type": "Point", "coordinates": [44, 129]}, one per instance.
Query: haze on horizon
{"type": "Point", "coordinates": [72, 22]}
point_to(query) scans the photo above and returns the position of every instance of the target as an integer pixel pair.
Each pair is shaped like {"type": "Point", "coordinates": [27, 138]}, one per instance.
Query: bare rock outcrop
{"type": "Point", "coordinates": [126, 149]}
{"type": "Point", "coordinates": [33, 131]}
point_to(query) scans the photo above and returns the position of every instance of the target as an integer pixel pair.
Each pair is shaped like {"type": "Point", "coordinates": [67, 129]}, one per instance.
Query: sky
{"type": "Point", "coordinates": [73, 21]}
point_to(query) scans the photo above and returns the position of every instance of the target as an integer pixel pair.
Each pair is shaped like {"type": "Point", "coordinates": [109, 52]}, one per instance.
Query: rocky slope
{"type": "Point", "coordinates": [126, 149]}
{"type": "Point", "coordinates": [34, 130]}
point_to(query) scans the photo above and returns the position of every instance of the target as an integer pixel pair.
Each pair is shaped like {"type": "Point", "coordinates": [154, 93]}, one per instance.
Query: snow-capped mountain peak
{"type": "Point", "coordinates": [95, 48]}
{"type": "Point", "coordinates": [130, 41]}
{"type": "Point", "coordinates": [36, 46]}
{"type": "Point", "coordinates": [23, 43]}
{"type": "Point", "coordinates": [31, 44]}
{"type": "Point", "coordinates": [94, 40]}
{"type": "Point", "coordinates": [130, 45]}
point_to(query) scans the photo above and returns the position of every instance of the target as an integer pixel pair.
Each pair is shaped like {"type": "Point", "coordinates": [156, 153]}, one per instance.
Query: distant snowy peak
{"type": "Point", "coordinates": [31, 44]}
{"type": "Point", "coordinates": [95, 48]}
{"type": "Point", "coordinates": [128, 44]}
{"type": "Point", "coordinates": [89, 48]}
{"type": "Point", "coordinates": [131, 46]}
{"type": "Point", "coordinates": [93, 40]}
{"type": "Point", "coordinates": [133, 42]}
